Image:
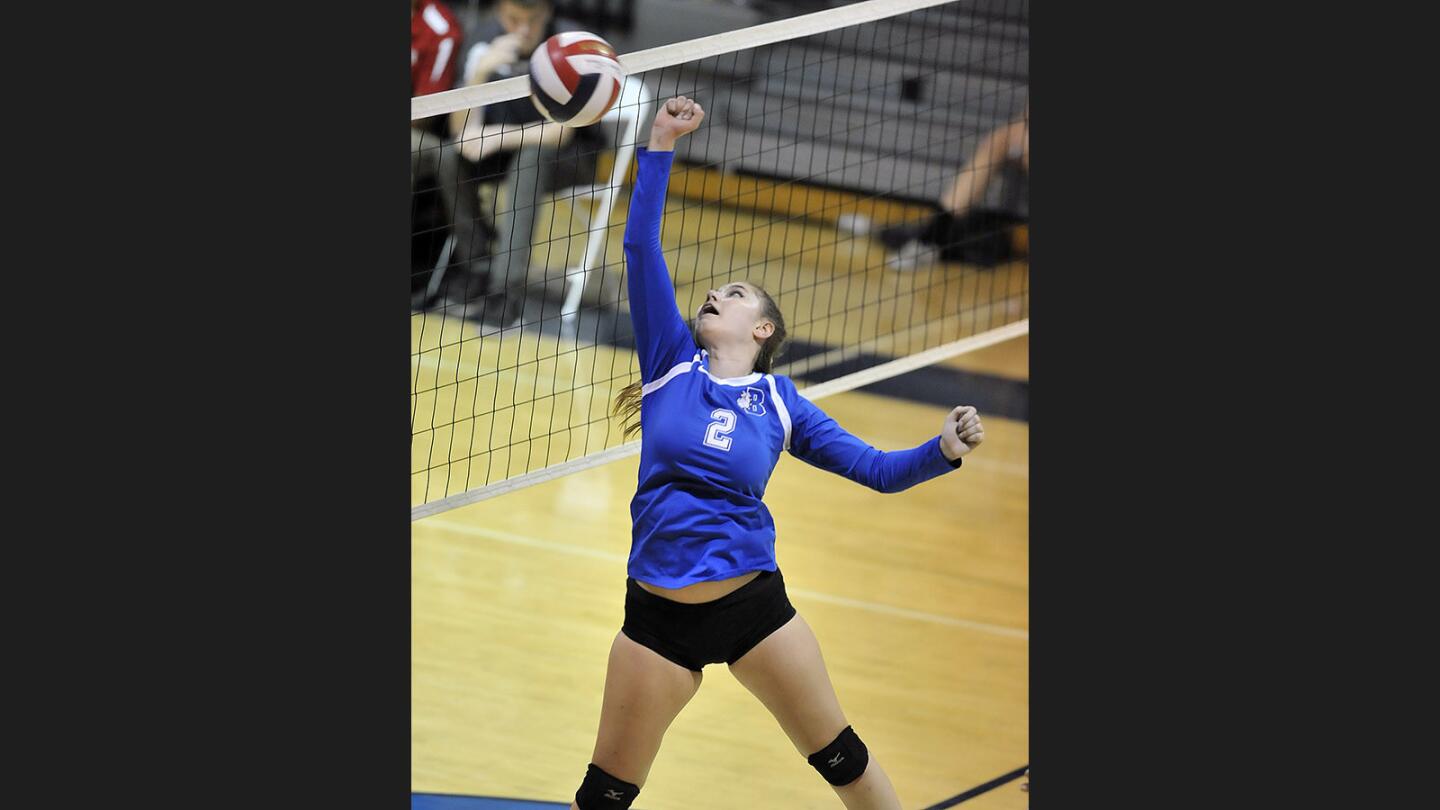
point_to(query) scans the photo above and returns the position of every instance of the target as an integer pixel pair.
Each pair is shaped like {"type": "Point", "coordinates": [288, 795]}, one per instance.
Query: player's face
{"type": "Point", "coordinates": [529, 23]}
{"type": "Point", "coordinates": [732, 311]}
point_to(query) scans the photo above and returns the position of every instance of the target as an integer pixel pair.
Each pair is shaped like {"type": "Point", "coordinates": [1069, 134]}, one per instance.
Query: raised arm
{"type": "Point", "coordinates": [818, 440]}
{"type": "Point", "coordinates": [661, 336]}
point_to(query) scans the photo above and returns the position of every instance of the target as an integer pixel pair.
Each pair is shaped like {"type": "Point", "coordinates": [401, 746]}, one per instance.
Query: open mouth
{"type": "Point", "coordinates": [709, 308]}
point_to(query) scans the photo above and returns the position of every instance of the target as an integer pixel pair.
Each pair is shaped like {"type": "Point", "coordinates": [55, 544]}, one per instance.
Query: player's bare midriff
{"type": "Point", "coordinates": [700, 591]}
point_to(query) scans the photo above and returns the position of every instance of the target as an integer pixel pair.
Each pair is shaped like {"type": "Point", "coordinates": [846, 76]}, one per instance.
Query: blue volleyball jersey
{"type": "Point", "coordinates": [708, 445]}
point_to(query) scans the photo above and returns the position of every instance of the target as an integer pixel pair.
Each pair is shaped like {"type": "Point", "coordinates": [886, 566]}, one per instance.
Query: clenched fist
{"type": "Point", "coordinates": [962, 432]}
{"type": "Point", "coordinates": [678, 116]}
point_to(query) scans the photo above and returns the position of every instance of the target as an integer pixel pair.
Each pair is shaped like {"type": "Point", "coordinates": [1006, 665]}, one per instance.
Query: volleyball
{"type": "Point", "coordinates": [575, 78]}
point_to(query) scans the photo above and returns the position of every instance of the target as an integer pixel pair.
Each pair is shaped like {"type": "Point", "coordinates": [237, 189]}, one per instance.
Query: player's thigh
{"type": "Point", "coordinates": [787, 673]}
{"type": "Point", "coordinates": [644, 692]}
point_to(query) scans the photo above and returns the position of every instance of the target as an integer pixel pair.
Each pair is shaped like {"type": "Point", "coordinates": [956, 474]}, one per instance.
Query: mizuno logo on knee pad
{"type": "Point", "coordinates": [842, 761]}
{"type": "Point", "coordinates": [602, 791]}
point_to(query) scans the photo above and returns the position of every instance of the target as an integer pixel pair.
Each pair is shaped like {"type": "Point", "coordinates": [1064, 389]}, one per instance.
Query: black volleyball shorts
{"type": "Point", "coordinates": [721, 630]}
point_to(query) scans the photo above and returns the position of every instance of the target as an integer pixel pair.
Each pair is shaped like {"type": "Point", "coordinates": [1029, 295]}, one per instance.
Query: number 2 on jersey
{"type": "Point", "coordinates": [723, 424]}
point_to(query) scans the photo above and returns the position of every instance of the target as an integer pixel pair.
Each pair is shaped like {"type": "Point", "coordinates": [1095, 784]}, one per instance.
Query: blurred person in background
{"type": "Point", "coordinates": [436, 37]}
{"type": "Point", "coordinates": [981, 212]}
{"type": "Point", "coordinates": [512, 143]}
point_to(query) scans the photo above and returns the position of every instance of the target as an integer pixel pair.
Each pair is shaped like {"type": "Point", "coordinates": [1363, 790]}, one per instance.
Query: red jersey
{"type": "Point", "coordinates": [434, 47]}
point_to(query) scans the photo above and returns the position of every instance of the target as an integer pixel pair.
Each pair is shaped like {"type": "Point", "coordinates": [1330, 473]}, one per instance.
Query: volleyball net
{"type": "Point", "coordinates": [865, 164]}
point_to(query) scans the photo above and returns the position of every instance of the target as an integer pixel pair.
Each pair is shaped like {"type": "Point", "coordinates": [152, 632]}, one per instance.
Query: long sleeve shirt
{"type": "Point", "coordinates": [708, 445]}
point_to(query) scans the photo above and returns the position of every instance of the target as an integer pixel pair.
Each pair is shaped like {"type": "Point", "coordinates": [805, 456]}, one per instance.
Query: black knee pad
{"type": "Point", "coordinates": [601, 791]}
{"type": "Point", "coordinates": [842, 761]}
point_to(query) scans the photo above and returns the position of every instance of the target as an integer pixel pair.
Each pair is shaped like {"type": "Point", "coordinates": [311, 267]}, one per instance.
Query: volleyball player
{"type": "Point", "coordinates": [703, 584]}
